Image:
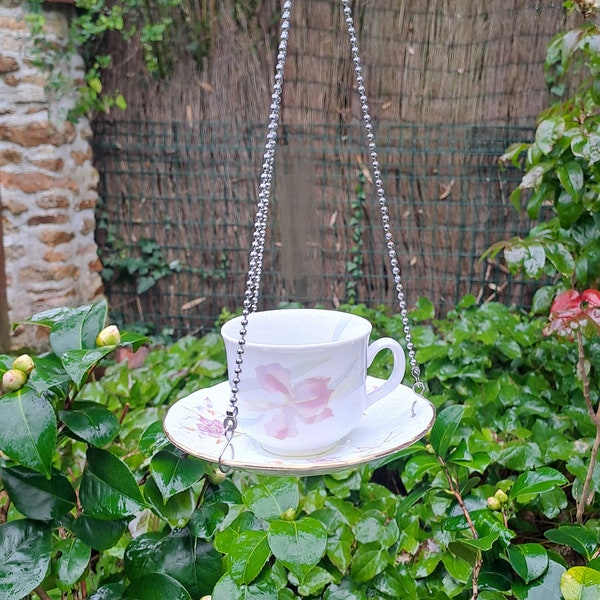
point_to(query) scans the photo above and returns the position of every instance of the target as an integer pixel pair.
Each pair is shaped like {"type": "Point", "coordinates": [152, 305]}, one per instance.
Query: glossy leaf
{"type": "Point", "coordinates": [29, 429]}
{"type": "Point", "coordinates": [176, 511]}
{"type": "Point", "coordinates": [536, 482]}
{"type": "Point", "coordinates": [108, 489]}
{"type": "Point", "coordinates": [192, 563]}
{"type": "Point", "coordinates": [577, 537]}
{"type": "Point", "coordinates": [248, 556]}
{"type": "Point", "coordinates": [174, 473]}
{"type": "Point", "coordinates": [368, 561]}
{"type": "Point", "coordinates": [273, 497]}
{"type": "Point", "coordinates": [375, 526]}
{"type": "Point", "coordinates": [206, 519]}
{"type": "Point", "coordinates": [77, 328]}
{"type": "Point", "coordinates": [153, 439]}
{"type": "Point", "coordinates": [580, 583]}
{"type": "Point", "coordinates": [25, 548]}
{"type": "Point", "coordinates": [91, 422]}
{"type": "Point", "coordinates": [340, 543]}
{"type": "Point", "coordinates": [156, 586]}
{"type": "Point", "coordinates": [79, 363]}
{"type": "Point", "coordinates": [529, 561]}
{"type": "Point", "coordinates": [571, 177]}
{"type": "Point", "coordinates": [100, 535]}
{"type": "Point", "coordinates": [36, 496]}
{"type": "Point", "coordinates": [546, 587]}
{"type": "Point", "coordinates": [71, 560]}
{"type": "Point", "coordinates": [299, 545]}
{"type": "Point", "coordinates": [110, 591]}
{"type": "Point", "coordinates": [446, 424]}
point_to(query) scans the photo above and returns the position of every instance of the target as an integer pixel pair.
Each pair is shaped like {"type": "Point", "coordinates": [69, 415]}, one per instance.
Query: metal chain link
{"type": "Point", "coordinates": [418, 385]}
{"type": "Point", "coordinates": [252, 292]}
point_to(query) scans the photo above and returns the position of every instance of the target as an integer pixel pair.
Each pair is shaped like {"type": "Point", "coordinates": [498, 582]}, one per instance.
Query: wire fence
{"type": "Point", "coordinates": [179, 201]}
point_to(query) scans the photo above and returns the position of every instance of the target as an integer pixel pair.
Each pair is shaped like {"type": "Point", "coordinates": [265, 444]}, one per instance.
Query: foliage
{"type": "Point", "coordinates": [562, 172]}
{"type": "Point", "coordinates": [99, 504]}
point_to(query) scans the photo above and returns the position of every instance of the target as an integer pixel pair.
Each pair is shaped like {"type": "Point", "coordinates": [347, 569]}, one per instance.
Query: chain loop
{"type": "Point", "coordinates": [385, 219]}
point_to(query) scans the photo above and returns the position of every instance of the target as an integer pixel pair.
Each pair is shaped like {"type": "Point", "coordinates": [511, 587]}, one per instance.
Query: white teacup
{"type": "Point", "coordinates": [302, 386]}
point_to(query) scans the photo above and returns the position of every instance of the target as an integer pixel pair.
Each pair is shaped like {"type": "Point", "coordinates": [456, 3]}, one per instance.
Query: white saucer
{"type": "Point", "coordinates": [194, 424]}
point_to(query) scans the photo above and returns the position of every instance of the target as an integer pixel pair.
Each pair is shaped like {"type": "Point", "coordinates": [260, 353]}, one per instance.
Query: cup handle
{"type": "Point", "coordinates": [397, 375]}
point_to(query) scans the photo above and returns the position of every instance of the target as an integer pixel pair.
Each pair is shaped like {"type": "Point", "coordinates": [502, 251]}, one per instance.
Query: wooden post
{"type": "Point", "coordinates": [4, 322]}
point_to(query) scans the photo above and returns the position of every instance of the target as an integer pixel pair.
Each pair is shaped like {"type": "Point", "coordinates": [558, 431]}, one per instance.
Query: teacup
{"type": "Point", "coordinates": [302, 384]}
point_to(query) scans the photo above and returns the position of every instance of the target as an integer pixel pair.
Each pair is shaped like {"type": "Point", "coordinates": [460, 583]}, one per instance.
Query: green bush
{"type": "Point", "coordinates": [97, 503]}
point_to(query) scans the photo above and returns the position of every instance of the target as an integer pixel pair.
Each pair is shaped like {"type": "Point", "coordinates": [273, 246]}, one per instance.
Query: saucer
{"type": "Point", "coordinates": [195, 425]}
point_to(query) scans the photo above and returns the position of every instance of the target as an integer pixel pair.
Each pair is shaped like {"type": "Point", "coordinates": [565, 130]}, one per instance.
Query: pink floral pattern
{"type": "Point", "coordinates": [305, 402]}
{"type": "Point", "coordinates": [210, 427]}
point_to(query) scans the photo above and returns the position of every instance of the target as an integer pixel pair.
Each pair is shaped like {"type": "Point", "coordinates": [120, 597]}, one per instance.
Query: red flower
{"type": "Point", "coordinates": [572, 310]}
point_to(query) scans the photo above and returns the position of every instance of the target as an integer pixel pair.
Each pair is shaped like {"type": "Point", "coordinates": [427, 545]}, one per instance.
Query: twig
{"type": "Point", "coordinates": [457, 495]}
{"type": "Point", "coordinates": [41, 593]}
{"type": "Point", "coordinates": [595, 416]}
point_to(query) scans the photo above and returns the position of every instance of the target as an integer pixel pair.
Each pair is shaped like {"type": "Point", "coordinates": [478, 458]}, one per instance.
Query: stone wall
{"type": "Point", "coordinates": [47, 181]}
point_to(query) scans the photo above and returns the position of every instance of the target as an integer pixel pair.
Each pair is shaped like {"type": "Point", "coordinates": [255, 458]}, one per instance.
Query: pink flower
{"type": "Point", "coordinates": [572, 310]}
{"type": "Point", "coordinates": [212, 428]}
{"type": "Point", "coordinates": [306, 401]}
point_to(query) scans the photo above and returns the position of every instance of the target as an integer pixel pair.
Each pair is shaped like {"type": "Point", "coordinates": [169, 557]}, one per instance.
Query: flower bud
{"type": "Point", "coordinates": [501, 495]}
{"type": "Point", "coordinates": [289, 514]}
{"type": "Point", "coordinates": [217, 477]}
{"type": "Point", "coordinates": [493, 503]}
{"type": "Point", "coordinates": [13, 380]}
{"type": "Point", "coordinates": [23, 363]}
{"type": "Point", "coordinates": [109, 336]}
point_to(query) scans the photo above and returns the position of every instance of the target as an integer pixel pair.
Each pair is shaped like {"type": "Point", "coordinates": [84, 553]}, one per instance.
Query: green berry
{"type": "Point", "coordinates": [23, 363]}
{"type": "Point", "coordinates": [493, 503]}
{"type": "Point", "coordinates": [217, 477]}
{"type": "Point", "coordinates": [13, 380]}
{"type": "Point", "coordinates": [501, 495]}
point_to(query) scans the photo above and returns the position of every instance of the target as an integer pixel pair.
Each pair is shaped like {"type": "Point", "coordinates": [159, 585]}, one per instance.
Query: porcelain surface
{"type": "Point", "coordinates": [401, 418]}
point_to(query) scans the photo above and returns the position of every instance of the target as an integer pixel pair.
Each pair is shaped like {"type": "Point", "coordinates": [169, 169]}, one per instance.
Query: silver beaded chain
{"type": "Point", "coordinates": [418, 385]}
{"type": "Point", "coordinates": [252, 291]}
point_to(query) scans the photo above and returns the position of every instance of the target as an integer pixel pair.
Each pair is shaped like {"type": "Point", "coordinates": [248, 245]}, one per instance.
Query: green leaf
{"type": "Point", "coordinates": [446, 424]}
{"type": "Point", "coordinates": [91, 422]}
{"type": "Point", "coordinates": [194, 564]}
{"type": "Point", "coordinates": [375, 526]}
{"type": "Point", "coordinates": [423, 311]}
{"type": "Point", "coordinates": [72, 559]}
{"type": "Point", "coordinates": [529, 561]}
{"type": "Point", "coordinates": [25, 548]}
{"type": "Point", "coordinates": [568, 210]}
{"type": "Point", "coordinates": [248, 556]}
{"type": "Point", "coordinates": [176, 511]}
{"type": "Point", "coordinates": [368, 561]}
{"type": "Point", "coordinates": [29, 429]}
{"type": "Point", "coordinates": [548, 132]}
{"type": "Point", "coordinates": [417, 467]}
{"type": "Point", "coordinates": [580, 583]}
{"type": "Point", "coordinates": [156, 586]}
{"type": "Point", "coordinates": [108, 489]}
{"type": "Point", "coordinates": [542, 299]}
{"type": "Point", "coordinates": [534, 260]}
{"type": "Point", "coordinates": [111, 591]}
{"type": "Point", "coordinates": [536, 482]}
{"type": "Point", "coordinates": [100, 535]}
{"type": "Point", "coordinates": [577, 537]}
{"type": "Point", "coordinates": [174, 473]}
{"type": "Point", "coordinates": [78, 328]}
{"type": "Point", "coordinates": [153, 439]}
{"type": "Point", "coordinates": [544, 588]}
{"type": "Point", "coordinates": [206, 519]}
{"type": "Point", "coordinates": [299, 545]}
{"type": "Point", "coordinates": [571, 177]}
{"type": "Point", "coordinates": [78, 363]}
{"type": "Point", "coordinates": [273, 497]}
{"type": "Point", "coordinates": [36, 496]}
{"type": "Point", "coordinates": [339, 547]}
